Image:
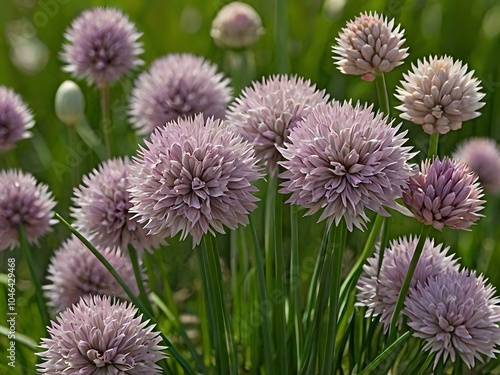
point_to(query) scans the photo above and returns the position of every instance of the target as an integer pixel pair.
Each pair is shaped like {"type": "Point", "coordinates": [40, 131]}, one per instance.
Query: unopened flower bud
{"type": "Point", "coordinates": [237, 25]}
{"type": "Point", "coordinates": [69, 103]}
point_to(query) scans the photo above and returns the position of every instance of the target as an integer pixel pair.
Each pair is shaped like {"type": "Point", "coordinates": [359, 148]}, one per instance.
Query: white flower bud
{"type": "Point", "coordinates": [237, 25]}
{"type": "Point", "coordinates": [69, 103]}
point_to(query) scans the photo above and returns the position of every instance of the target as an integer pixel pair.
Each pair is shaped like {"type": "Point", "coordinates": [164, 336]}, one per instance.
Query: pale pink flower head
{"type": "Point", "coordinates": [378, 289]}
{"type": "Point", "coordinates": [99, 336]}
{"type": "Point", "coordinates": [439, 94]}
{"type": "Point", "coordinates": [445, 193]}
{"type": "Point", "coordinates": [236, 25]}
{"type": "Point", "coordinates": [74, 273]}
{"type": "Point", "coordinates": [177, 86]}
{"type": "Point", "coordinates": [456, 313]}
{"type": "Point", "coordinates": [483, 157]}
{"type": "Point", "coordinates": [24, 202]}
{"type": "Point", "coordinates": [368, 45]}
{"type": "Point", "coordinates": [102, 209]}
{"type": "Point", "coordinates": [343, 160]}
{"type": "Point", "coordinates": [194, 176]}
{"type": "Point", "coordinates": [266, 112]}
{"type": "Point", "coordinates": [15, 119]}
{"type": "Point", "coordinates": [102, 46]}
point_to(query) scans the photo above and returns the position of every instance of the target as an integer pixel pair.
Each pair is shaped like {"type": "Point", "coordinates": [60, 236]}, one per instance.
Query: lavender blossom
{"type": "Point", "coordinates": [97, 336]}
{"type": "Point", "coordinates": [344, 159]}
{"type": "Point", "coordinates": [379, 289]}
{"type": "Point", "coordinates": [265, 113]}
{"type": "Point", "coordinates": [177, 86]}
{"type": "Point", "coordinates": [444, 193]}
{"type": "Point", "coordinates": [483, 157]}
{"type": "Point", "coordinates": [369, 45]}
{"type": "Point", "coordinates": [74, 273]}
{"type": "Point", "coordinates": [193, 177]}
{"type": "Point", "coordinates": [102, 209]}
{"type": "Point", "coordinates": [102, 46]}
{"type": "Point", "coordinates": [456, 313]}
{"type": "Point", "coordinates": [24, 202]}
{"type": "Point", "coordinates": [15, 119]}
{"type": "Point", "coordinates": [439, 95]}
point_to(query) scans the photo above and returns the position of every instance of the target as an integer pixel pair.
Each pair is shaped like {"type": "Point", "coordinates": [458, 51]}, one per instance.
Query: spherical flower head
{"type": "Point", "coordinates": [237, 25]}
{"type": "Point", "coordinates": [176, 86]}
{"type": "Point", "coordinates": [15, 119]}
{"type": "Point", "coordinates": [102, 209]}
{"type": "Point", "coordinates": [102, 46]}
{"type": "Point", "coordinates": [69, 103]}
{"type": "Point", "coordinates": [97, 336]}
{"type": "Point", "coordinates": [24, 202]}
{"type": "Point", "coordinates": [456, 313]}
{"type": "Point", "coordinates": [193, 177]}
{"type": "Point", "coordinates": [343, 160]}
{"type": "Point", "coordinates": [483, 157]}
{"type": "Point", "coordinates": [444, 193]}
{"type": "Point", "coordinates": [369, 45]}
{"type": "Point", "coordinates": [74, 273]}
{"type": "Point", "coordinates": [265, 113]}
{"type": "Point", "coordinates": [439, 95]}
{"type": "Point", "coordinates": [378, 290]}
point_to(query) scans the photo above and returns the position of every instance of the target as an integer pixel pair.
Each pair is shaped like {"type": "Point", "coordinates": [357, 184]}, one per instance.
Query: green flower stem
{"type": "Point", "coordinates": [337, 250]}
{"type": "Point", "coordinates": [261, 286]}
{"type": "Point", "coordinates": [31, 265]}
{"type": "Point", "coordinates": [145, 312]}
{"type": "Point", "coordinates": [295, 306]}
{"type": "Point", "coordinates": [143, 296]}
{"type": "Point", "coordinates": [433, 146]}
{"type": "Point", "coordinates": [241, 67]}
{"type": "Point", "coordinates": [281, 36]}
{"type": "Point", "coordinates": [270, 231]}
{"type": "Point", "coordinates": [106, 118]}
{"type": "Point", "coordinates": [406, 283]}
{"type": "Point", "coordinates": [356, 270]}
{"type": "Point", "coordinates": [209, 255]}
{"type": "Point", "coordinates": [383, 98]}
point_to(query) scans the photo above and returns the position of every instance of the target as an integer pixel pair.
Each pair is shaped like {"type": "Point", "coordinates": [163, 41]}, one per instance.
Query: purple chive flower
{"type": "Point", "coordinates": [439, 95]}
{"type": "Point", "coordinates": [102, 46]}
{"type": "Point", "coordinates": [74, 273]}
{"type": "Point", "coordinates": [265, 113]}
{"type": "Point", "coordinates": [97, 336]}
{"type": "Point", "coordinates": [456, 313]}
{"type": "Point", "coordinates": [25, 202]}
{"type": "Point", "coordinates": [176, 86]}
{"type": "Point", "coordinates": [344, 159]}
{"type": "Point", "coordinates": [369, 45]}
{"type": "Point", "coordinates": [193, 177]}
{"type": "Point", "coordinates": [444, 193]}
{"type": "Point", "coordinates": [483, 157]}
{"type": "Point", "coordinates": [102, 209]}
{"type": "Point", "coordinates": [380, 294]}
{"type": "Point", "coordinates": [15, 119]}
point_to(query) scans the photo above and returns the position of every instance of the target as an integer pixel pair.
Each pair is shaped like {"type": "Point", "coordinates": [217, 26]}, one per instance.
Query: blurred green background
{"type": "Point", "coordinates": [31, 36]}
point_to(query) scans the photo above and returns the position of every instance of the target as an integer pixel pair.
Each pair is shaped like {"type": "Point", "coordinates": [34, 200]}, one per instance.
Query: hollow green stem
{"type": "Point", "coordinates": [433, 146]}
{"type": "Point", "coordinates": [106, 118]}
{"type": "Point", "coordinates": [143, 295]}
{"type": "Point", "coordinates": [337, 250]}
{"type": "Point", "coordinates": [38, 287]}
{"type": "Point", "coordinates": [383, 97]}
{"type": "Point", "coordinates": [281, 36]}
{"type": "Point", "coordinates": [295, 305]}
{"type": "Point", "coordinates": [406, 283]}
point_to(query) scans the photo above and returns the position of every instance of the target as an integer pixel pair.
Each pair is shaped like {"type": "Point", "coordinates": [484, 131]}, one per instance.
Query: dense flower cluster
{"type": "Point", "coordinates": [15, 119]}
{"type": "Point", "coordinates": [102, 46]}
{"type": "Point", "coordinates": [193, 177]}
{"type": "Point", "coordinates": [343, 160]}
{"type": "Point", "coordinates": [97, 336]}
